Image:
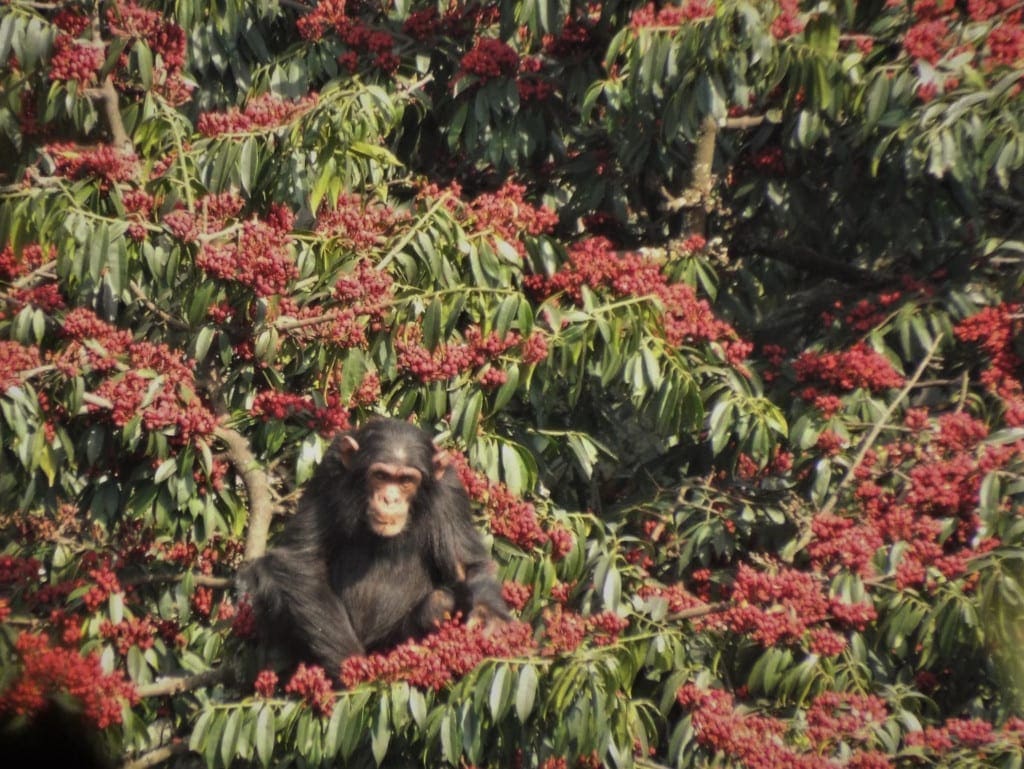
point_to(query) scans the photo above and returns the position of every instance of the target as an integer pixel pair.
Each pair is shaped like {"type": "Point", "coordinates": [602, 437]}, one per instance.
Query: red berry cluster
{"type": "Point", "coordinates": [15, 360]}
{"type": "Point", "coordinates": [266, 111]}
{"type": "Point", "coordinates": [163, 37]}
{"type": "Point", "coordinates": [259, 257]}
{"type": "Point", "coordinates": [439, 658]}
{"type": "Point", "coordinates": [105, 583]}
{"type": "Point", "coordinates": [507, 215]}
{"type": "Point", "coordinates": [686, 319]}
{"type": "Point", "coordinates": [670, 15]}
{"type": "Point", "coordinates": [845, 715]}
{"type": "Point", "coordinates": [108, 164]}
{"type": "Point", "coordinates": [508, 516]}
{"type": "Point", "coordinates": [516, 594]}
{"type": "Point", "coordinates": [325, 15]}
{"type": "Point", "coordinates": [356, 223]}
{"type": "Point", "coordinates": [265, 683]}
{"type": "Point", "coordinates": [575, 39]}
{"type": "Point", "coordinates": [996, 330]}
{"type": "Point", "coordinates": [489, 59]}
{"type": "Point", "coordinates": [243, 624]}
{"type": "Point", "coordinates": [678, 597]}
{"type": "Point", "coordinates": [327, 420]}
{"type": "Point", "coordinates": [788, 21]}
{"type": "Point", "coordinates": [129, 633]}
{"type": "Point", "coordinates": [781, 608]}
{"type": "Point", "coordinates": [78, 61]}
{"type": "Point", "coordinates": [47, 671]}
{"type": "Point", "coordinates": [842, 543]}
{"type": "Point", "coordinates": [367, 290]}
{"type": "Point", "coordinates": [15, 264]}
{"type": "Point", "coordinates": [71, 20]}
{"type": "Point", "coordinates": [423, 24]}
{"type": "Point", "coordinates": [858, 367]}
{"type": "Point", "coordinates": [959, 733]}
{"type": "Point", "coordinates": [311, 684]}
{"type": "Point", "coordinates": [16, 570]}
{"type": "Point", "coordinates": [565, 630]}
{"type": "Point", "coordinates": [927, 40]}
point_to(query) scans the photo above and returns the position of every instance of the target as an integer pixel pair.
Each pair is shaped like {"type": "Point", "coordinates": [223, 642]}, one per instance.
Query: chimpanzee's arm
{"type": "Point", "coordinates": [298, 610]}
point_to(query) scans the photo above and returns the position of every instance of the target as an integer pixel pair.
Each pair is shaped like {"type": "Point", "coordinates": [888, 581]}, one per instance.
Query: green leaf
{"type": "Point", "coordinates": [526, 692]}
{"type": "Point", "coordinates": [265, 735]}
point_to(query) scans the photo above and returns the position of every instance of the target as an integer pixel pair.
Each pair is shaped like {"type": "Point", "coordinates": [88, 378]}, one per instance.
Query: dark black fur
{"type": "Point", "coordinates": [332, 588]}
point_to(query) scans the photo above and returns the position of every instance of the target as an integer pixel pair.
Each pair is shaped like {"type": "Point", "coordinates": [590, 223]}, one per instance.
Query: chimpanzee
{"type": "Point", "coordinates": [382, 548]}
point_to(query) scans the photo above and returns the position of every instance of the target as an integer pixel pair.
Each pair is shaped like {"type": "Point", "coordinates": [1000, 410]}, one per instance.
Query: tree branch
{"type": "Point", "coordinates": [157, 756]}
{"type": "Point", "coordinates": [110, 100]}
{"type": "Point", "coordinates": [257, 488]}
{"type": "Point", "coordinates": [696, 198]}
{"type": "Point", "coordinates": [178, 684]}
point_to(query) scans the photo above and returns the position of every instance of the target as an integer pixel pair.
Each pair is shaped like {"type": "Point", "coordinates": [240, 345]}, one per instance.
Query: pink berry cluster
{"type": "Point", "coordinates": [77, 61]}
{"type": "Point", "coordinates": [266, 111]}
{"type": "Point", "coordinates": [257, 256]}
{"type": "Point", "coordinates": [47, 670]}
{"type": "Point", "coordinates": [841, 724]}
{"type": "Point", "coordinates": [14, 264]}
{"type": "Point", "coordinates": [441, 657]}
{"type": "Point", "coordinates": [686, 319]}
{"type": "Point", "coordinates": [788, 22]}
{"type": "Point", "coordinates": [356, 223]}
{"type": "Point", "coordinates": [265, 684]}
{"type": "Point", "coordinates": [504, 214]}
{"type": "Point", "coordinates": [327, 420]}
{"type": "Point", "coordinates": [479, 351]}
{"type": "Point", "coordinates": [565, 630]}
{"type": "Point", "coordinates": [367, 291]}
{"type": "Point", "coordinates": [166, 397]}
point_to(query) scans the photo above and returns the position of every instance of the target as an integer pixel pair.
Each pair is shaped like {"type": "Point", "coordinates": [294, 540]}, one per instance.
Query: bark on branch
{"type": "Point", "coordinates": [257, 487]}
{"type": "Point", "coordinates": [177, 684]}
{"type": "Point", "coordinates": [157, 756]}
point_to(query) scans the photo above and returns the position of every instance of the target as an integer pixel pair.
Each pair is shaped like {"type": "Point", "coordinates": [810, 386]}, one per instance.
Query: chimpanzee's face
{"type": "Point", "coordinates": [391, 489]}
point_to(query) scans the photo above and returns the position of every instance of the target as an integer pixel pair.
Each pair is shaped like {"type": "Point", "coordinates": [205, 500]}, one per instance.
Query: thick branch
{"type": "Point", "coordinates": [696, 198]}
{"type": "Point", "coordinates": [257, 487]}
{"type": "Point", "coordinates": [699, 611]}
{"type": "Point", "coordinates": [175, 685]}
{"type": "Point", "coordinates": [157, 756]}
{"type": "Point", "coordinates": [110, 101]}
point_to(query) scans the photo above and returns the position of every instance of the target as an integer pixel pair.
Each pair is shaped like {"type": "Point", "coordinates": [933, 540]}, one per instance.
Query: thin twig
{"type": "Point", "coordinates": [878, 426]}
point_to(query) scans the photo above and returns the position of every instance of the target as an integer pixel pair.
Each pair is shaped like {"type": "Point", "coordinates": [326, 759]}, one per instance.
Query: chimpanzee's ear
{"type": "Point", "coordinates": [349, 447]}
{"type": "Point", "coordinates": [441, 463]}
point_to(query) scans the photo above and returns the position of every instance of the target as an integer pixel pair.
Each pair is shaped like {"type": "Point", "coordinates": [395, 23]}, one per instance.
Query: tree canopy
{"type": "Point", "coordinates": [715, 304]}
